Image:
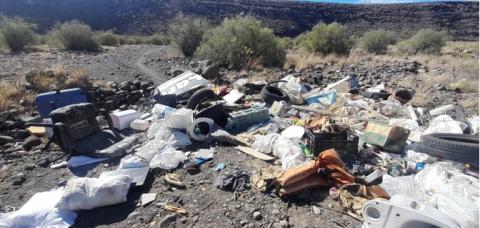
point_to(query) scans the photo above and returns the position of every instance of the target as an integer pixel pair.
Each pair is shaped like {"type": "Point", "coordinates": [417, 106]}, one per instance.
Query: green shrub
{"type": "Point", "coordinates": [377, 41]}
{"type": "Point", "coordinates": [187, 32]}
{"type": "Point", "coordinates": [107, 38]}
{"type": "Point", "coordinates": [241, 41]}
{"type": "Point", "coordinates": [426, 41]}
{"type": "Point", "coordinates": [326, 39]}
{"type": "Point", "coordinates": [75, 35]}
{"type": "Point", "coordinates": [157, 39]}
{"type": "Point", "coordinates": [17, 33]}
{"type": "Point", "coordinates": [286, 42]}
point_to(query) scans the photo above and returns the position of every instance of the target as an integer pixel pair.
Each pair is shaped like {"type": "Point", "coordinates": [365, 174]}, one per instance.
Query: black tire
{"type": "Point", "coordinates": [215, 112]}
{"type": "Point", "coordinates": [455, 147]}
{"type": "Point", "coordinates": [201, 96]}
{"type": "Point", "coordinates": [271, 94]}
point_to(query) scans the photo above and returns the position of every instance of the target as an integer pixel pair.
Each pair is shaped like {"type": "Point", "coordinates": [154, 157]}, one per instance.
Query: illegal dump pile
{"type": "Point", "coordinates": [386, 163]}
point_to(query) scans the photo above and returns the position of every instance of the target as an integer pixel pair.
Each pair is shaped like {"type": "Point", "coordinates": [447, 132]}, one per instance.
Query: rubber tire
{"type": "Point", "coordinates": [215, 112]}
{"type": "Point", "coordinates": [455, 147]}
{"type": "Point", "coordinates": [271, 94]}
{"type": "Point", "coordinates": [201, 96]}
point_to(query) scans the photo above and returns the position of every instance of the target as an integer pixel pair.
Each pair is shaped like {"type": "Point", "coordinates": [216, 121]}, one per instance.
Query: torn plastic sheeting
{"type": "Point", "coordinates": [324, 98]}
{"type": "Point", "coordinates": [132, 161]}
{"type": "Point", "coordinates": [377, 89]}
{"type": "Point", "coordinates": [77, 161]}
{"type": "Point", "coordinates": [460, 209]}
{"type": "Point", "coordinates": [444, 124]}
{"type": "Point", "coordinates": [265, 143]}
{"type": "Point", "coordinates": [180, 119]}
{"type": "Point", "coordinates": [40, 211]}
{"type": "Point", "coordinates": [289, 151]}
{"type": "Point", "coordinates": [162, 111]}
{"type": "Point", "coordinates": [88, 193]}
{"type": "Point", "coordinates": [293, 88]}
{"type": "Point", "coordinates": [403, 185]}
{"type": "Point", "coordinates": [168, 159]}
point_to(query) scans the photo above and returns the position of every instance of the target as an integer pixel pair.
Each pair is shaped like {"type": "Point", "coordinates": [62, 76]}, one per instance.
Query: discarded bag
{"type": "Point", "coordinates": [40, 211]}
{"type": "Point", "coordinates": [168, 159]}
{"type": "Point", "coordinates": [235, 181]}
{"type": "Point", "coordinates": [88, 193]}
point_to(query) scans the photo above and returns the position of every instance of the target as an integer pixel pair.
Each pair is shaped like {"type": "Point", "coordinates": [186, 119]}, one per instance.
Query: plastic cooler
{"type": "Point", "coordinates": [47, 102]}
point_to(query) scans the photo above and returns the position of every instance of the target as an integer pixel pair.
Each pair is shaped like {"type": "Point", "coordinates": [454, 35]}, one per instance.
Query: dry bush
{"type": "Point", "coordinates": [77, 79]}
{"type": "Point", "coordinates": [43, 81]}
{"type": "Point", "coordinates": [17, 33]}
{"type": "Point", "coordinates": [301, 60]}
{"type": "Point", "coordinates": [8, 94]}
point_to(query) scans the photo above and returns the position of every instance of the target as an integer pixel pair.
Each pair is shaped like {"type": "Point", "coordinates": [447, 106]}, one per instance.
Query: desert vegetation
{"type": "Point", "coordinates": [16, 33]}
{"type": "Point", "coordinates": [238, 42]}
{"type": "Point", "coordinates": [242, 42]}
{"type": "Point", "coordinates": [187, 32]}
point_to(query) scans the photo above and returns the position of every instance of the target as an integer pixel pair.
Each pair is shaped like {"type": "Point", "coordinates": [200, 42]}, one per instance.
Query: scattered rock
{"type": "Point", "coordinates": [257, 215]}
{"type": "Point", "coordinates": [44, 162]}
{"type": "Point", "coordinates": [22, 134]}
{"type": "Point", "coordinates": [5, 139]}
{"type": "Point", "coordinates": [275, 212]}
{"type": "Point", "coordinates": [18, 179]}
{"type": "Point", "coordinates": [31, 141]}
{"type": "Point", "coordinates": [316, 210]}
{"type": "Point", "coordinates": [211, 72]}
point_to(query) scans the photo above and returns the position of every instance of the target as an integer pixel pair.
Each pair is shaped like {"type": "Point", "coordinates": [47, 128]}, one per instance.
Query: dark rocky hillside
{"type": "Point", "coordinates": [460, 19]}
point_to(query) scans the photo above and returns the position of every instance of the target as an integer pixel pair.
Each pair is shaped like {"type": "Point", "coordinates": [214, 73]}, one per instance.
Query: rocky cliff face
{"type": "Point", "coordinates": [460, 19]}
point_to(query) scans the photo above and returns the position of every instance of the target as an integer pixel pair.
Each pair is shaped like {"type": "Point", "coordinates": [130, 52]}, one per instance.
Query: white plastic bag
{"type": "Point", "coordinates": [463, 211]}
{"type": "Point", "coordinates": [40, 211]}
{"type": "Point", "coordinates": [444, 124]}
{"type": "Point", "coordinates": [168, 159]}
{"type": "Point", "coordinates": [289, 151]}
{"type": "Point", "coordinates": [293, 88]}
{"type": "Point", "coordinates": [180, 119]}
{"type": "Point", "coordinates": [151, 148]}
{"type": "Point", "coordinates": [162, 111]}
{"type": "Point", "coordinates": [404, 185]}
{"type": "Point", "coordinates": [264, 143]}
{"type": "Point", "coordinates": [88, 193]}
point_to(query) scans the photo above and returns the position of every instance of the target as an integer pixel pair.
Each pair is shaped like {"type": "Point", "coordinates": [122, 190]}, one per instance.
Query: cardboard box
{"type": "Point", "coordinates": [390, 138]}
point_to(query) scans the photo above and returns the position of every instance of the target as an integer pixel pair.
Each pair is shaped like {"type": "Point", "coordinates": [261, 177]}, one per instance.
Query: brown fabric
{"type": "Point", "coordinates": [332, 173]}
{"type": "Point", "coordinates": [312, 181]}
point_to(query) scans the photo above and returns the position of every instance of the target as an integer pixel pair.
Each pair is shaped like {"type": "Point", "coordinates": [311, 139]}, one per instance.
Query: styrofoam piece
{"type": "Point", "coordinates": [233, 96]}
{"type": "Point", "coordinates": [122, 119]}
{"type": "Point", "coordinates": [139, 125]}
{"type": "Point", "coordinates": [183, 83]}
{"type": "Point", "coordinates": [294, 132]}
{"type": "Point", "coordinates": [442, 109]}
{"type": "Point", "coordinates": [403, 211]}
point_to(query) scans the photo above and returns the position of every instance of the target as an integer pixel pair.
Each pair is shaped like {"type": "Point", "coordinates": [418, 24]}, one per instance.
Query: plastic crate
{"type": "Point", "coordinates": [344, 142]}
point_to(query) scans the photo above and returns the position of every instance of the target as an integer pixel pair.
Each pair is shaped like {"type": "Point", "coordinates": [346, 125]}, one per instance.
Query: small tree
{"type": "Point", "coordinates": [377, 41]}
{"type": "Point", "coordinates": [187, 32]}
{"type": "Point", "coordinates": [107, 38]}
{"type": "Point", "coordinates": [427, 41]}
{"type": "Point", "coordinates": [326, 39]}
{"type": "Point", "coordinates": [17, 33]}
{"type": "Point", "coordinates": [242, 41]}
{"type": "Point", "coordinates": [75, 35]}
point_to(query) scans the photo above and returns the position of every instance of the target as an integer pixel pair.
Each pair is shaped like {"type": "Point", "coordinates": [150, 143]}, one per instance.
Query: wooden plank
{"type": "Point", "coordinates": [255, 153]}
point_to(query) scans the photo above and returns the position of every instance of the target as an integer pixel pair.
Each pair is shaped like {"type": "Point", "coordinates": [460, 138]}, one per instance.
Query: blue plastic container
{"type": "Point", "coordinates": [47, 102]}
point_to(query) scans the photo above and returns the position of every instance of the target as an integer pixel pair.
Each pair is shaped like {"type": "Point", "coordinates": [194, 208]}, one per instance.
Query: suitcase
{"type": "Point", "coordinates": [47, 102]}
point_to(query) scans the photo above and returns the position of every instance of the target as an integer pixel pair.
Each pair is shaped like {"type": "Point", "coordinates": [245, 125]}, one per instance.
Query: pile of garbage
{"type": "Point", "coordinates": [384, 161]}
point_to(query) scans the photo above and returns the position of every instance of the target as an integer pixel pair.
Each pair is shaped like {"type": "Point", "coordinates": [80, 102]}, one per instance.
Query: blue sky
{"type": "Point", "coordinates": [375, 1]}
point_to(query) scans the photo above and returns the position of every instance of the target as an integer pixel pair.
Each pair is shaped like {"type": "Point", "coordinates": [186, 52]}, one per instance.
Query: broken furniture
{"type": "Point", "coordinates": [76, 129]}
